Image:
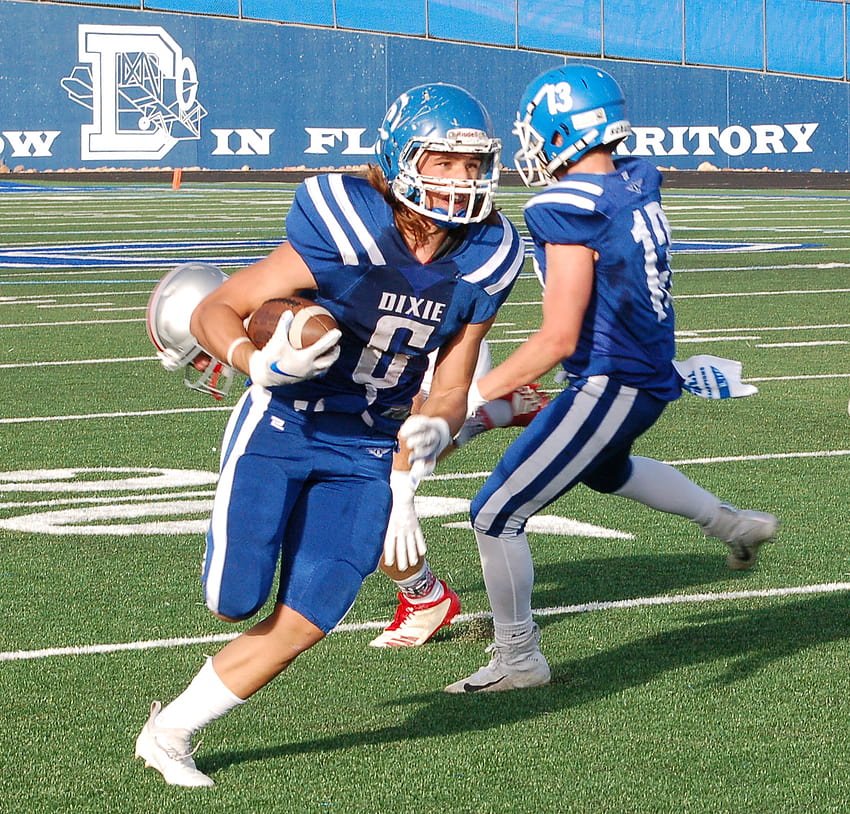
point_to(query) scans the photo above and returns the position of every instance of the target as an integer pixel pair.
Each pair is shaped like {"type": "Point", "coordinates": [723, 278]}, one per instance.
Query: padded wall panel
{"type": "Point", "coordinates": [568, 26]}
{"type": "Point", "coordinates": [728, 33]}
{"type": "Point", "coordinates": [483, 21]}
{"type": "Point", "coordinates": [224, 8]}
{"type": "Point", "coordinates": [643, 29]}
{"type": "Point", "coordinates": [400, 17]}
{"type": "Point", "coordinates": [130, 89]}
{"type": "Point", "coordinates": [311, 12]}
{"type": "Point", "coordinates": [816, 46]}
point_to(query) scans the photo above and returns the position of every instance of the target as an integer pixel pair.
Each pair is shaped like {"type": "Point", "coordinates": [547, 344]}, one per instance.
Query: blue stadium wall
{"type": "Point", "coordinates": [92, 86]}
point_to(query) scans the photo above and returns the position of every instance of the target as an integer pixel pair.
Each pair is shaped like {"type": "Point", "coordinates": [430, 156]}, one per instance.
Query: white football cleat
{"type": "Point", "coordinates": [511, 668]}
{"type": "Point", "coordinates": [743, 531]}
{"type": "Point", "coordinates": [169, 751]}
{"type": "Point", "coordinates": [415, 624]}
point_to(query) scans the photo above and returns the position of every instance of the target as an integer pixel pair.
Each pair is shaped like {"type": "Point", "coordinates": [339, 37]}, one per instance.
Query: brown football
{"type": "Point", "coordinates": [309, 324]}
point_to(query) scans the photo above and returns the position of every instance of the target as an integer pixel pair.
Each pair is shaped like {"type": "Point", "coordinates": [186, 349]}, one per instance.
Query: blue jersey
{"type": "Point", "coordinates": [627, 332]}
{"type": "Point", "coordinates": [392, 309]}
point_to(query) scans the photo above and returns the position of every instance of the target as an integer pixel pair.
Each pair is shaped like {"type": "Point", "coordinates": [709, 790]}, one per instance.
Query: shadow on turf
{"type": "Point", "coordinates": [613, 578]}
{"type": "Point", "coordinates": [578, 582]}
{"type": "Point", "coordinates": [746, 640]}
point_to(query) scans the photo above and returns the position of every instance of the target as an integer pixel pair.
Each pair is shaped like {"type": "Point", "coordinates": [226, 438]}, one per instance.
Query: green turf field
{"type": "Point", "coordinates": [678, 686]}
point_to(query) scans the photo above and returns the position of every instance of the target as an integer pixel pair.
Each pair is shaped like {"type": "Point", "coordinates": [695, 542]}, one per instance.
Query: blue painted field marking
{"type": "Point", "coordinates": [225, 253]}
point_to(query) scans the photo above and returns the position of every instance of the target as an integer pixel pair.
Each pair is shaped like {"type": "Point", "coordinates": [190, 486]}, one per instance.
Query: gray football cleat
{"type": "Point", "coordinates": [743, 531]}
{"type": "Point", "coordinates": [510, 668]}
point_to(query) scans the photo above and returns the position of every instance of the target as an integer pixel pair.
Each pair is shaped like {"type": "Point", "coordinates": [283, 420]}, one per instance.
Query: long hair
{"type": "Point", "coordinates": [406, 220]}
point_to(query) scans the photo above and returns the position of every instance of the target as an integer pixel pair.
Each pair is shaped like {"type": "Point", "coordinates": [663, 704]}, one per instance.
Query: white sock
{"type": "Point", "coordinates": [422, 587]}
{"type": "Point", "coordinates": [514, 635]}
{"type": "Point", "coordinates": [509, 577]}
{"type": "Point", "coordinates": [499, 412]}
{"type": "Point", "coordinates": [660, 486]}
{"type": "Point", "coordinates": [205, 699]}
{"type": "Point", "coordinates": [496, 413]}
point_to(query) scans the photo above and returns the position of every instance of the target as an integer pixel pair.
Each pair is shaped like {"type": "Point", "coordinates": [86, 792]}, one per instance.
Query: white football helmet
{"type": "Point", "coordinates": [169, 310]}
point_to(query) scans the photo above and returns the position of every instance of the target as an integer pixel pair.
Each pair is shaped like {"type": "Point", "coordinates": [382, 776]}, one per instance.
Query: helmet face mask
{"type": "Point", "coordinates": [214, 378]}
{"type": "Point", "coordinates": [169, 310]}
{"type": "Point", "coordinates": [439, 118]}
{"type": "Point", "coordinates": [563, 114]}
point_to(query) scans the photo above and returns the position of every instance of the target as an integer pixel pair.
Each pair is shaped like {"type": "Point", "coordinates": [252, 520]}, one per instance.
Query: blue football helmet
{"type": "Point", "coordinates": [169, 310]}
{"type": "Point", "coordinates": [563, 114]}
{"type": "Point", "coordinates": [440, 118]}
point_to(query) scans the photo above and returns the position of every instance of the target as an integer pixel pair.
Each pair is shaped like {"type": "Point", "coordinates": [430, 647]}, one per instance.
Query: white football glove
{"type": "Point", "coordinates": [426, 437]}
{"type": "Point", "coordinates": [280, 363]}
{"type": "Point", "coordinates": [404, 543]}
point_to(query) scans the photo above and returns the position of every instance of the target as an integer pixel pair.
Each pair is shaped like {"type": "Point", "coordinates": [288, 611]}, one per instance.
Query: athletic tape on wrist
{"type": "Point", "coordinates": [233, 345]}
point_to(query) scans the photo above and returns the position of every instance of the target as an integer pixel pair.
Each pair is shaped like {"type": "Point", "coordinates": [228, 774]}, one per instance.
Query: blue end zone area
{"type": "Point", "coordinates": [236, 253]}
{"type": "Point", "coordinates": [15, 186]}
{"type": "Point", "coordinates": [731, 246]}
{"type": "Point", "coordinates": [223, 253]}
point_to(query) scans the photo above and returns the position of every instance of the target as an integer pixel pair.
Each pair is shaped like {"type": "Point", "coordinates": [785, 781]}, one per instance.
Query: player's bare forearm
{"type": "Point", "coordinates": [569, 284]}
{"type": "Point", "coordinates": [453, 376]}
{"type": "Point", "coordinates": [217, 322]}
{"type": "Point", "coordinates": [448, 404]}
{"type": "Point", "coordinates": [217, 327]}
{"type": "Point", "coordinates": [533, 359]}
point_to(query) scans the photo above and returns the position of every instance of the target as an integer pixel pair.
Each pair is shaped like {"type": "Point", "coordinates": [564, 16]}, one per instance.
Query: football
{"type": "Point", "coordinates": [309, 324]}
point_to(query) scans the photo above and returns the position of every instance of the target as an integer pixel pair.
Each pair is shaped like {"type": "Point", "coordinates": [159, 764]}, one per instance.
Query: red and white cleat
{"type": "Point", "coordinates": [415, 624]}
{"type": "Point", "coordinates": [526, 402]}
{"type": "Point", "coordinates": [517, 409]}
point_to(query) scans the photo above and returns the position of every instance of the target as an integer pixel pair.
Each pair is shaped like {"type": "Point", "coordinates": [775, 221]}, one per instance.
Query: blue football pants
{"type": "Point", "coordinates": [305, 492]}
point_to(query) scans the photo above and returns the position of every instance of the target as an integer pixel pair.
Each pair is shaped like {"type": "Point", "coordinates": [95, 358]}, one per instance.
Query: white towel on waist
{"type": "Point", "coordinates": [712, 377]}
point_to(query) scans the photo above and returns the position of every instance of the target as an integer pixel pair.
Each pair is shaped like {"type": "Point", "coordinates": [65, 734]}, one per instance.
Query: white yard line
{"type": "Point", "coordinates": [563, 610]}
{"type": "Point", "coordinates": [135, 413]}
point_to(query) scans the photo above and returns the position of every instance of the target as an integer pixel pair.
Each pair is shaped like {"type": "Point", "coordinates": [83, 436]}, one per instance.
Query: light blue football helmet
{"type": "Point", "coordinates": [564, 113]}
{"type": "Point", "coordinates": [442, 118]}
